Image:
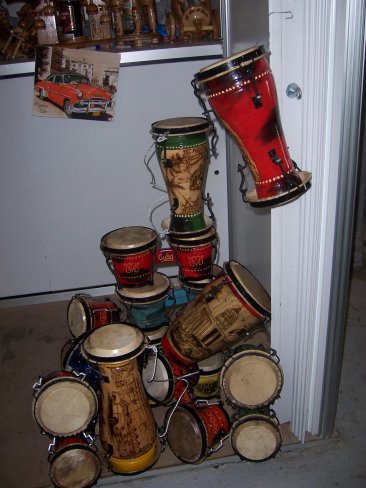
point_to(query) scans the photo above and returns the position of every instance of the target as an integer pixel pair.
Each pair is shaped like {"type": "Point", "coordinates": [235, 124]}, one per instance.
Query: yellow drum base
{"type": "Point", "coordinates": [138, 464]}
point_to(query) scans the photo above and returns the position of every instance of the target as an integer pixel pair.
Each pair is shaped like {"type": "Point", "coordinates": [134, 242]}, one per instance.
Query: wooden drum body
{"type": "Point", "coordinates": [241, 90]}
{"type": "Point", "coordinates": [127, 426]}
{"type": "Point", "coordinates": [182, 150]}
{"type": "Point", "coordinates": [232, 304]}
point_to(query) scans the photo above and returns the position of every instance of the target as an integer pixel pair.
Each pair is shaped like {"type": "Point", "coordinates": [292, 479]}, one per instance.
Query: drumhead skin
{"type": "Point", "coordinates": [113, 343]}
{"type": "Point", "coordinates": [148, 293]}
{"type": "Point", "coordinates": [65, 406]}
{"type": "Point", "coordinates": [251, 379]}
{"type": "Point", "coordinates": [128, 240]}
{"type": "Point", "coordinates": [160, 389]}
{"type": "Point", "coordinates": [256, 438]}
{"type": "Point", "coordinates": [74, 467]}
{"type": "Point", "coordinates": [77, 317]}
{"type": "Point", "coordinates": [180, 125]}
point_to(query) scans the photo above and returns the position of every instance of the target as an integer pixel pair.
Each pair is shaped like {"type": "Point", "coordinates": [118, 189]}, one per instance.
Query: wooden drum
{"type": "Point", "coordinates": [182, 150]}
{"type": "Point", "coordinates": [242, 92]}
{"type": "Point", "coordinates": [127, 426]}
{"type": "Point", "coordinates": [232, 304]}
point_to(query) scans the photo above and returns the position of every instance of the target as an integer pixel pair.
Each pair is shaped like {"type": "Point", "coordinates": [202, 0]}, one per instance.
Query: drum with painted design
{"type": "Point", "coordinates": [242, 92]}
{"type": "Point", "coordinates": [208, 385]}
{"type": "Point", "coordinates": [194, 288]}
{"type": "Point", "coordinates": [130, 254]}
{"type": "Point", "coordinates": [256, 436]}
{"type": "Point", "coordinates": [182, 149]}
{"type": "Point", "coordinates": [252, 377]}
{"type": "Point", "coordinates": [127, 426]}
{"type": "Point", "coordinates": [74, 462]}
{"type": "Point", "coordinates": [233, 304]}
{"type": "Point", "coordinates": [85, 312]}
{"type": "Point", "coordinates": [195, 432]}
{"type": "Point", "coordinates": [146, 305]}
{"type": "Point", "coordinates": [64, 404]}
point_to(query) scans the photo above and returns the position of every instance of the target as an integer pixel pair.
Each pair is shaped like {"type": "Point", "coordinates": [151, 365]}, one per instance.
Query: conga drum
{"type": "Point", "coordinates": [195, 432]}
{"type": "Point", "coordinates": [256, 436]}
{"type": "Point", "coordinates": [73, 462]}
{"type": "Point", "coordinates": [146, 305]}
{"type": "Point", "coordinates": [182, 149]}
{"type": "Point", "coordinates": [242, 92]}
{"type": "Point", "coordinates": [233, 304]}
{"type": "Point", "coordinates": [127, 426]}
{"type": "Point", "coordinates": [85, 312]}
{"type": "Point", "coordinates": [64, 404]}
{"type": "Point", "coordinates": [252, 377]}
{"type": "Point", "coordinates": [130, 254]}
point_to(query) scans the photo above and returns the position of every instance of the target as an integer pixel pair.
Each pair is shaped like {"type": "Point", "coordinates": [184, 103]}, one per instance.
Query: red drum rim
{"type": "Point", "coordinates": [180, 126]}
{"type": "Point", "coordinates": [131, 240]}
{"type": "Point", "coordinates": [114, 343]}
{"type": "Point", "coordinates": [231, 63]}
{"type": "Point", "coordinates": [169, 382]}
{"type": "Point", "coordinates": [199, 285]}
{"type": "Point", "coordinates": [160, 288]}
{"type": "Point", "coordinates": [257, 417]}
{"type": "Point", "coordinates": [253, 299]}
{"type": "Point", "coordinates": [203, 236]}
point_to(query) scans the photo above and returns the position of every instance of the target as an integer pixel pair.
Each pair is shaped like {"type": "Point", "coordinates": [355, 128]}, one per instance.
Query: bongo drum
{"type": "Point", "coordinates": [252, 377]}
{"type": "Point", "coordinates": [126, 423]}
{"type": "Point", "coordinates": [130, 254]}
{"type": "Point", "coordinates": [256, 436]}
{"type": "Point", "coordinates": [194, 288]}
{"type": "Point", "coordinates": [73, 462]}
{"type": "Point", "coordinates": [85, 312]}
{"type": "Point", "coordinates": [195, 253]}
{"type": "Point", "coordinates": [231, 305]}
{"type": "Point", "coordinates": [208, 385]}
{"type": "Point", "coordinates": [63, 404]}
{"type": "Point", "coordinates": [242, 92]}
{"type": "Point", "coordinates": [182, 149]}
{"type": "Point", "coordinates": [193, 432]}
{"type": "Point", "coordinates": [146, 304]}
{"type": "Point", "coordinates": [154, 336]}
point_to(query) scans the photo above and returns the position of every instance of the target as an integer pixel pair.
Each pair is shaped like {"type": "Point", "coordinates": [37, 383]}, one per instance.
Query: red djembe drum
{"type": "Point", "coordinates": [242, 92]}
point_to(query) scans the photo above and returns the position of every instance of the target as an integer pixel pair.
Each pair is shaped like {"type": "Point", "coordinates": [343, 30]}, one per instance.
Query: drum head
{"type": "Point", "coordinates": [65, 407]}
{"type": "Point", "coordinates": [77, 317]}
{"type": "Point", "coordinates": [251, 380]}
{"type": "Point", "coordinates": [187, 435]}
{"type": "Point", "coordinates": [155, 335]}
{"type": "Point", "coordinates": [180, 125]}
{"type": "Point", "coordinates": [148, 293]}
{"type": "Point", "coordinates": [128, 240]}
{"type": "Point", "coordinates": [249, 287]}
{"type": "Point", "coordinates": [211, 364]}
{"type": "Point", "coordinates": [160, 389]}
{"type": "Point", "coordinates": [256, 439]}
{"type": "Point", "coordinates": [114, 343]}
{"type": "Point", "coordinates": [75, 467]}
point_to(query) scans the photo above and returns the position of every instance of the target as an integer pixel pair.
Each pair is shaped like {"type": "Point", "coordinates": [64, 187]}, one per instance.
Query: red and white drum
{"type": "Point", "coordinates": [195, 432]}
{"type": "Point", "coordinates": [85, 312]}
{"type": "Point", "coordinates": [63, 404]}
{"type": "Point", "coordinates": [127, 426]}
{"type": "Point", "coordinates": [242, 92]}
{"type": "Point", "coordinates": [252, 377]}
{"type": "Point", "coordinates": [74, 462]}
{"type": "Point", "coordinates": [194, 288]}
{"type": "Point", "coordinates": [256, 436]}
{"type": "Point", "coordinates": [231, 305]}
{"type": "Point", "coordinates": [130, 254]}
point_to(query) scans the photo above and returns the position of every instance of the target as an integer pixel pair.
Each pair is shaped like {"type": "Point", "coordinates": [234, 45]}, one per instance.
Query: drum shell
{"type": "Point", "coordinates": [252, 377]}
{"type": "Point", "coordinates": [222, 312]}
{"type": "Point", "coordinates": [256, 435]}
{"type": "Point", "coordinates": [208, 385]}
{"type": "Point", "coordinates": [208, 424]}
{"type": "Point", "coordinates": [74, 463]}
{"type": "Point", "coordinates": [91, 312]}
{"type": "Point", "coordinates": [182, 150]}
{"type": "Point", "coordinates": [256, 129]}
{"type": "Point", "coordinates": [64, 405]}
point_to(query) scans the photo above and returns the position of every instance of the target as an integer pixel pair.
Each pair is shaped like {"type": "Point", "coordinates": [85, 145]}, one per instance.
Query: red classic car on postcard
{"type": "Point", "coordinates": [74, 94]}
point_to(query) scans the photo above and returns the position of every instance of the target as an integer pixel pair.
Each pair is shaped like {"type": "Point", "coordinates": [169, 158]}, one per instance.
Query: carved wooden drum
{"type": "Point", "coordinates": [182, 150]}
{"type": "Point", "coordinates": [231, 305]}
{"type": "Point", "coordinates": [130, 254]}
{"type": "Point", "coordinates": [241, 90]}
{"type": "Point", "coordinates": [252, 377]}
{"type": "Point", "coordinates": [127, 426]}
